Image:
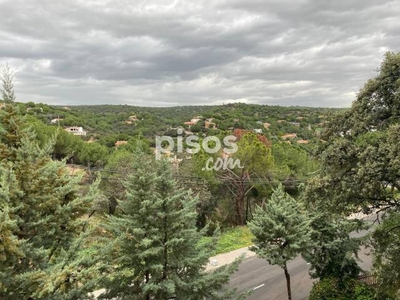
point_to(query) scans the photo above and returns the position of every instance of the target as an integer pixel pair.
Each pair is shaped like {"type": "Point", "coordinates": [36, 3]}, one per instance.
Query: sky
{"type": "Point", "coordinates": [171, 52]}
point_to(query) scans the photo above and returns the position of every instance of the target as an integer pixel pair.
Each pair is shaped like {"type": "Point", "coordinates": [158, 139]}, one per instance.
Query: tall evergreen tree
{"type": "Point", "coordinates": [281, 231]}
{"type": "Point", "coordinates": [154, 246]}
{"type": "Point", "coordinates": [41, 210]}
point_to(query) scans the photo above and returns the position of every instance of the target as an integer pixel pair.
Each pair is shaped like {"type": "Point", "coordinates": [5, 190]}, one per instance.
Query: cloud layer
{"type": "Point", "coordinates": [165, 53]}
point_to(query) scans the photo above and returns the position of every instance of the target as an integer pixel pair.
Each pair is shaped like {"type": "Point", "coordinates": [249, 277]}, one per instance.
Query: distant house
{"type": "Point", "coordinates": [66, 108]}
{"type": "Point", "coordinates": [119, 143]}
{"type": "Point", "coordinates": [2, 105]}
{"type": "Point", "coordinates": [56, 120]}
{"type": "Point", "coordinates": [259, 122]}
{"type": "Point", "coordinates": [266, 125]}
{"type": "Point", "coordinates": [193, 121]}
{"type": "Point", "coordinates": [75, 130]}
{"type": "Point", "coordinates": [281, 121]}
{"type": "Point", "coordinates": [189, 124]}
{"type": "Point", "coordinates": [289, 136]}
{"type": "Point", "coordinates": [257, 130]}
{"type": "Point", "coordinates": [297, 124]}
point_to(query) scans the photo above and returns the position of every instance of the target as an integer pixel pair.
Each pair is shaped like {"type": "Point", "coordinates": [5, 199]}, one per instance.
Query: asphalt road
{"type": "Point", "coordinates": [269, 283]}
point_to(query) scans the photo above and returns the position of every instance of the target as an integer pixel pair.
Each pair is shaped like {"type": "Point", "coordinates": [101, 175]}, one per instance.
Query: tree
{"type": "Point", "coordinates": [154, 245]}
{"type": "Point", "coordinates": [377, 105]}
{"type": "Point", "coordinates": [206, 206]}
{"type": "Point", "coordinates": [93, 154]}
{"type": "Point", "coordinates": [256, 159]}
{"type": "Point", "coordinates": [386, 245]}
{"type": "Point", "coordinates": [360, 166]}
{"type": "Point", "coordinates": [7, 91]}
{"type": "Point", "coordinates": [360, 162]}
{"type": "Point", "coordinates": [334, 289]}
{"type": "Point", "coordinates": [292, 164]}
{"type": "Point", "coordinates": [281, 231]}
{"type": "Point", "coordinates": [115, 172]}
{"type": "Point", "coordinates": [332, 252]}
{"type": "Point", "coordinates": [41, 213]}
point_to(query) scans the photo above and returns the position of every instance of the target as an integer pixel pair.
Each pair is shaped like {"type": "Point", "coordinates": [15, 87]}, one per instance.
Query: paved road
{"type": "Point", "coordinates": [269, 282]}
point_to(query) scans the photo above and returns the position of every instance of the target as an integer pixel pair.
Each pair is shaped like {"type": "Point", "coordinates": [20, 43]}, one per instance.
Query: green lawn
{"type": "Point", "coordinates": [233, 239]}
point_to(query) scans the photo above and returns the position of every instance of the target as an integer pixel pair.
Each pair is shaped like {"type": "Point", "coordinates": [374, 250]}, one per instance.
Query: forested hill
{"type": "Point", "coordinates": [106, 126]}
{"type": "Point", "coordinates": [100, 120]}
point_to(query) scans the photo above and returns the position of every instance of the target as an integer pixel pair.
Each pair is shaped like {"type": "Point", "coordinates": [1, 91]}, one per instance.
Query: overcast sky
{"type": "Point", "coordinates": [167, 53]}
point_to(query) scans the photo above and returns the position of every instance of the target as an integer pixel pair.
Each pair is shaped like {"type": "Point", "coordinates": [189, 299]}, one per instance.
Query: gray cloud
{"type": "Point", "coordinates": [163, 53]}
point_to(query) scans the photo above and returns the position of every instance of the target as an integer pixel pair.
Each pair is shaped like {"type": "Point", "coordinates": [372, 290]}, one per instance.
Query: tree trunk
{"type": "Point", "coordinates": [287, 275]}
{"type": "Point", "coordinates": [147, 297]}
{"type": "Point", "coordinates": [240, 208]}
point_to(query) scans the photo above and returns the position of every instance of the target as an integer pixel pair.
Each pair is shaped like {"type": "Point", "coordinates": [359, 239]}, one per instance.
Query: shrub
{"type": "Point", "coordinates": [332, 289]}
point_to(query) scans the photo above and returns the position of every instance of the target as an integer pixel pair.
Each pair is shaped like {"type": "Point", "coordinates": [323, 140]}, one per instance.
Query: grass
{"type": "Point", "coordinates": [233, 239]}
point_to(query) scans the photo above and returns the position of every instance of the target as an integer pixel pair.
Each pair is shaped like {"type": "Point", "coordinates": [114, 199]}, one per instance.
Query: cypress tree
{"type": "Point", "coordinates": [41, 212]}
{"type": "Point", "coordinates": [154, 247]}
{"type": "Point", "coordinates": [281, 231]}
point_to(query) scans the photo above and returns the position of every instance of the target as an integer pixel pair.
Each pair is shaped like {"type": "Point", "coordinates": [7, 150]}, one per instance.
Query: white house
{"type": "Point", "coordinates": [76, 130]}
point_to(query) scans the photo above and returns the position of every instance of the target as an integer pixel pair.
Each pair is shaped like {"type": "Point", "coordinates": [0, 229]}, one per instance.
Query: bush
{"type": "Point", "coordinates": [332, 289]}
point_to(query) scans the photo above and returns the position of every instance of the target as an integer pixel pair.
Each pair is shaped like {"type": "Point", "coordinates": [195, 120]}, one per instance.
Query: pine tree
{"type": "Point", "coordinates": [281, 231]}
{"type": "Point", "coordinates": [41, 212]}
{"type": "Point", "coordinates": [154, 248]}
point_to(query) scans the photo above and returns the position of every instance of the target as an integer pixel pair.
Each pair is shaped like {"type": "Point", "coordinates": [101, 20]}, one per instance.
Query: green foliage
{"type": "Point", "coordinates": [294, 160]}
{"type": "Point", "coordinates": [377, 104]}
{"type": "Point", "coordinates": [281, 229]}
{"type": "Point", "coordinates": [332, 252]}
{"type": "Point", "coordinates": [153, 244]}
{"type": "Point", "coordinates": [361, 158]}
{"type": "Point", "coordinates": [256, 164]}
{"type": "Point", "coordinates": [93, 154]}
{"type": "Point", "coordinates": [386, 245]}
{"type": "Point", "coordinates": [115, 172]}
{"type": "Point", "coordinates": [332, 289]}
{"type": "Point", "coordinates": [108, 122]}
{"type": "Point", "coordinates": [360, 165]}
{"type": "Point", "coordinates": [254, 155]}
{"type": "Point", "coordinates": [198, 162]}
{"type": "Point", "coordinates": [292, 165]}
{"type": "Point", "coordinates": [41, 213]}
